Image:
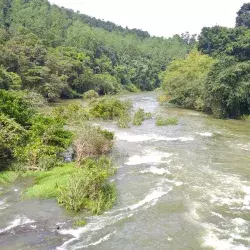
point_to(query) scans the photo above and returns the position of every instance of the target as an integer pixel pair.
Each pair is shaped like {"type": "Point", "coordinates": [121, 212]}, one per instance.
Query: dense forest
{"type": "Point", "coordinates": [214, 77]}
{"type": "Point", "coordinates": [61, 54]}
{"type": "Point", "coordinates": [49, 53]}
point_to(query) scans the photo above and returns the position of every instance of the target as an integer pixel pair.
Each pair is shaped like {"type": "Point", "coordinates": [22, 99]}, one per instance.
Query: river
{"type": "Point", "coordinates": [179, 187]}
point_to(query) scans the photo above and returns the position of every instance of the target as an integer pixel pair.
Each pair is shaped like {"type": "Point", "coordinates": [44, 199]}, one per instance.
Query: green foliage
{"type": "Point", "coordinates": [9, 80]}
{"type": "Point", "coordinates": [139, 116]}
{"type": "Point", "coordinates": [124, 119]}
{"type": "Point", "coordinates": [183, 81]}
{"type": "Point", "coordinates": [88, 188]}
{"type": "Point", "coordinates": [163, 98]}
{"type": "Point", "coordinates": [14, 105]}
{"type": "Point", "coordinates": [107, 134]}
{"type": "Point", "coordinates": [91, 141]}
{"type": "Point", "coordinates": [46, 138]}
{"type": "Point", "coordinates": [62, 54]}
{"type": "Point", "coordinates": [109, 108]}
{"type": "Point", "coordinates": [106, 84]}
{"type": "Point", "coordinates": [132, 88]}
{"type": "Point", "coordinates": [161, 121]}
{"type": "Point", "coordinates": [12, 135]}
{"type": "Point", "coordinates": [73, 113]}
{"type": "Point", "coordinates": [245, 118]}
{"type": "Point", "coordinates": [8, 177]}
{"type": "Point", "coordinates": [48, 183]}
{"type": "Point", "coordinates": [227, 88]}
{"type": "Point", "coordinates": [90, 94]}
{"type": "Point", "coordinates": [243, 16]}
{"type": "Point", "coordinates": [79, 223]}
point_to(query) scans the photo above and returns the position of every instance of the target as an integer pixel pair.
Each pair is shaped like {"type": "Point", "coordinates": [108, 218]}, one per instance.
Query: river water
{"type": "Point", "coordinates": [179, 187]}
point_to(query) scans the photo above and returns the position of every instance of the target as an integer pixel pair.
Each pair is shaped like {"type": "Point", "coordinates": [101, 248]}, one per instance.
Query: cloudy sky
{"type": "Point", "coordinates": [160, 17]}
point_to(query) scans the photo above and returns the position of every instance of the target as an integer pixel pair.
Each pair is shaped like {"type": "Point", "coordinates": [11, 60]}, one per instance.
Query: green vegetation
{"type": "Point", "coordinates": [82, 188]}
{"type": "Point", "coordinates": [124, 120]}
{"type": "Point", "coordinates": [215, 79]}
{"type": "Point", "coordinates": [79, 223]}
{"type": "Point", "coordinates": [8, 177]}
{"type": "Point", "coordinates": [90, 94]}
{"type": "Point", "coordinates": [140, 116]}
{"type": "Point", "coordinates": [60, 53]}
{"type": "Point", "coordinates": [88, 187]}
{"type": "Point", "coordinates": [109, 108]}
{"type": "Point", "coordinates": [91, 141]}
{"type": "Point", "coordinates": [161, 121]}
{"type": "Point", "coordinates": [183, 81]}
{"type": "Point", "coordinates": [38, 142]}
{"type": "Point", "coordinates": [246, 117]}
{"type": "Point", "coordinates": [47, 183]}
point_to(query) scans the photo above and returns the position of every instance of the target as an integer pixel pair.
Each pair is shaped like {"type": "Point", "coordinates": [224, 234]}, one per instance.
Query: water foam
{"type": "Point", "coordinates": [206, 134]}
{"type": "Point", "coordinates": [155, 157]}
{"type": "Point", "coordinates": [3, 204]}
{"type": "Point", "coordinates": [211, 240]}
{"type": "Point", "coordinates": [105, 238]}
{"type": "Point", "coordinates": [152, 197]}
{"type": "Point", "coordinates": [101, 222]}
{"type": "Point", "coordinates": [149, 137]}
{"type": "Point", "coordinates": [155, 170]}
{"type": "Point", "coordinates": [18, 221]}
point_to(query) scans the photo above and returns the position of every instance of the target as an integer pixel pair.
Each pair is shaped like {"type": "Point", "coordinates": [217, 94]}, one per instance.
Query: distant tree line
{"type": "Point", "coordinates": [215, 77]}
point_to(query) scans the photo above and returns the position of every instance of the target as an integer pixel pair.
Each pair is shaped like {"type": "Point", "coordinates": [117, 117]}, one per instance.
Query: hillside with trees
{"type": "Point", "coordinates": [59, 53]}
{"type": "Point", "coordinates": [221, 85]}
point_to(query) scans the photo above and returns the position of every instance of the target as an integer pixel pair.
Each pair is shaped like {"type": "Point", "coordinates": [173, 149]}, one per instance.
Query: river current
{"type": "Point", "coordinates": [179, 187]}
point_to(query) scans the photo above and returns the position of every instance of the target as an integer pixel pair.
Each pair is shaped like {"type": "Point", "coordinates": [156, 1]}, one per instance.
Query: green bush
{"type": "Point", "coordinates": [79, 223]}
{"type": "Point", "coordinates": [131, 88]}
{"type": "Point", "coordinates": [72, 113]}
{"type": "Point", "coordinates": [161, 121]}
{"type": "Point", "coordinates": [106, 84]}
{"type": "Point", "coordinates": [124, 120]}
{"type": "Point", "coordinates": [183, 80]}
{"type": "Point", "coordinates": [91, 141]}
{"type": "Point", "coordinates": [16, 106]}
{"type": "Point", "coordinates": [227, 88]}
{"type": "Point", "coordinates": [12, 135]}
{"type": "Point", "coordinates": [91, 94]}
{"type": "Point", "coordinates": [46, 139]}
{"type": "Point", "coordinates": [88, 189]}
{"type": "Point", "coordinates": [109, 108]}
{"type": "Point", "coordinates": [139, 116]}
{"type": "Point", "coordinates": [107, 134]}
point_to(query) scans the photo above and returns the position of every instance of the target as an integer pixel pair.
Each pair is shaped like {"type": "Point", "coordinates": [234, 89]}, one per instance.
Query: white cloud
{"type": "Point", "coordinates": [160, 17]}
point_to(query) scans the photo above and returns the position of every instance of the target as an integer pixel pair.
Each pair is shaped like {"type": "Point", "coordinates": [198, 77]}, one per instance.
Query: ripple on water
{"type": "Point", "coordinates": [149, 137]}
{"type": "Point", "coordinates": [155, 157]}
{"type": "Point", "coordinates": [155, 170]}
{"type": "Point", "coordinates": [18, 221]}
{"type": "Point", "coordinates": [206, 134]}
{"type": "Point", "coordinates": [227, 195]}
{"type": "Point", "coordinates": [99, 222]}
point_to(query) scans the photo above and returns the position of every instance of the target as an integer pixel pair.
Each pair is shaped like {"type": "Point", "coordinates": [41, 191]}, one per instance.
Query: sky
{"type": "Point", "coordinates": [160, 17]}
